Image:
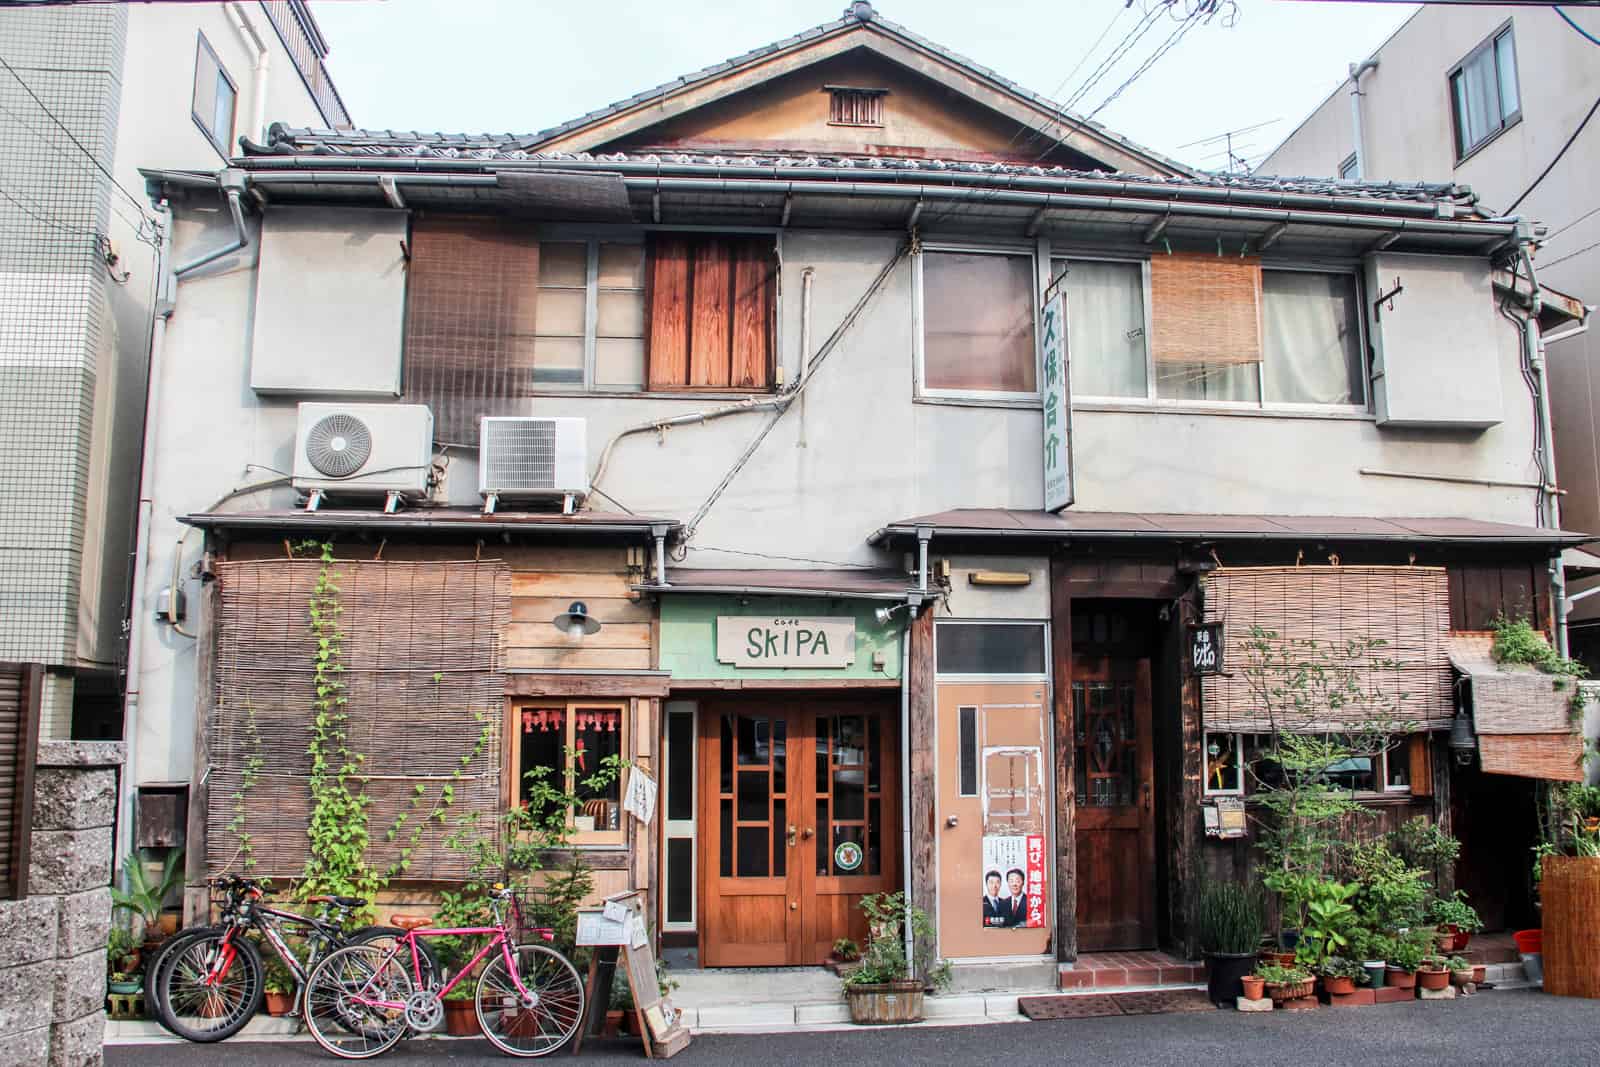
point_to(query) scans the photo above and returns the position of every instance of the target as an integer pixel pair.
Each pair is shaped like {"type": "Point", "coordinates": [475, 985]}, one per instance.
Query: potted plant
{"type": "Point", "coordinates": [122, 950]}
{"type": "Point", "coordinates": [1455, 917]}
{"type": "Point", "coordinates": [1285, 983]}
{"type": "Point", "coordinates": [1230, 921]}
{"type": "Point", "coordinates": [1461, 971]}
{"type": "Point", "coordinates": [279, 986]}
{"type": "Point", "coordinates": [145, 897]}
{"type": "Point", "coordinates": [888, 987]}
{"type": "Point", "coordinates": [1406, 952]}
{"type": "Point", "coordinates": [1253, 986]}
{"type": "Point", "coordinates": [1367, 948]}
{"type": "Point", "coordinates": [1339, 975]}
{"type": "Point", "coordinates": [1433, 974]}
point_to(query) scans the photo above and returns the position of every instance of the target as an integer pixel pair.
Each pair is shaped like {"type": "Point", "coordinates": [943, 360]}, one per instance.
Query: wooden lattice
{"type": "Point", "coordinates": [1408, 608]}
{"type": "Point", "coordinates": [421, 658]}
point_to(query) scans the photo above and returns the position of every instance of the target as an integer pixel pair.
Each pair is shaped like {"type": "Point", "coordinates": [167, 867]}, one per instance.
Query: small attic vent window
{"type": "Point", "coordinates": [850, 106]}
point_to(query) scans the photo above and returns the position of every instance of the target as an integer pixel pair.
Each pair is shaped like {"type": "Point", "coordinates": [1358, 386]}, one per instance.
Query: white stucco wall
{"type": "Point", "coordinates": [860, 453]}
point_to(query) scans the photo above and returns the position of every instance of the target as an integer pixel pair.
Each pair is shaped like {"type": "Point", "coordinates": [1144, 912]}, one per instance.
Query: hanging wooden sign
{"type": "Point", "coordinates": [1205, 648]}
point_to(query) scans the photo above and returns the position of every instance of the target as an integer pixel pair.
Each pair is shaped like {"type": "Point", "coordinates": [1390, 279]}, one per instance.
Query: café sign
{"type": "Point", "coordinates": [753, 641]}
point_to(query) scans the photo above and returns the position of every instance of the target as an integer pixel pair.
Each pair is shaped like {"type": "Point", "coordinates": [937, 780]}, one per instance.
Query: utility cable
{"type": "Point", "coordinates": [1033, 132]}
{"type": "Point", "coordinates": [1570, 255]}
{"type": "Point", "coordinates": [1543, 173]}
{"type": "Point", "coordinates": [1585, 34]}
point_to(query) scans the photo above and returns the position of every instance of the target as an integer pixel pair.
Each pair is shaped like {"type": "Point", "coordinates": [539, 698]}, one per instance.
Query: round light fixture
{"type": "Point", "coordinates": [576, 621]}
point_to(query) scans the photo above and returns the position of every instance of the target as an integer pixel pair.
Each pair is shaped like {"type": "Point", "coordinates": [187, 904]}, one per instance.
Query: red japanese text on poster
{"type": "Point", "coordinates": [1015, 894]}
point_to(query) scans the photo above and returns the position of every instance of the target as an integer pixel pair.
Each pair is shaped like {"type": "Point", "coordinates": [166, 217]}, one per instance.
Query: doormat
{"type": "Point", "coordinates": [1098, 1005]}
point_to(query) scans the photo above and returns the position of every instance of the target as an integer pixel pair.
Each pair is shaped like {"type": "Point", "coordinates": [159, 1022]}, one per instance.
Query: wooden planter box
{"type": "Point", "coordinates": [1570, 890]}
{"type": "Point", "coordinates": [886, 1002]}
{"type": "Point", "coordinates": [461, 1018]}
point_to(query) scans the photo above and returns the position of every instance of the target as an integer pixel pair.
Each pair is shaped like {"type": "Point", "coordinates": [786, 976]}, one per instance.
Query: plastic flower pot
{"type": "Point", "coordinates": [1529, 941]}
{"type": "Point", "coordinates": [279, 1003]}
{"type": "Point", "coordinates": [1433, 978]}
{"type": "Point", "coordinates": [1533, 967]}
{"type": "Point", "coordinates": [1224, 970]}
{"type": "Point", "coordinates": [1254, 988]}
{"type": "Point", "coordinates": [1463, 977]}
{"type": "Point", "coordinates": [1399, 979]}
{"type": "Point", "coordinates": [1479, 974]}
{"type": "Point", "coordinates": [1339, 985]}
{"type": "Point", "coordinates": [1375, 970]}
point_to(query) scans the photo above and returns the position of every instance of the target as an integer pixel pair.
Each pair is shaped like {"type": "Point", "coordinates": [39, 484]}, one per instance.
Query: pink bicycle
{"type": "Point", "coordinates": [362, 1000]}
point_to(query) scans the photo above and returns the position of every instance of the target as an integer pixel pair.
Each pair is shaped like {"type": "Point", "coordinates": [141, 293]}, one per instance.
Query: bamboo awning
{"type": "Point", "coordinates": [1406, 608]}
{"type": "Point", "coordinates": [1523, 717]}
{"type": "Point", "coordinates": [420, 658]}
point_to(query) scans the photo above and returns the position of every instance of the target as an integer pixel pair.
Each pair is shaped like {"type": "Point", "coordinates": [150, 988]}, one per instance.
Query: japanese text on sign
{"type": "Point", "coordinates": [1057, 417]}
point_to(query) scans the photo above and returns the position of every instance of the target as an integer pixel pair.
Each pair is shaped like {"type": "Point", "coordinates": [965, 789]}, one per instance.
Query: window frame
{"type": "Point", "coordinates": [1397, 742]}
{"type": "Point", "coordinates": [591, 308]}
{"type": "Point", "coordinates": [1349, 168]}
{"type": "Point", "coordinates": [983, 397]}
{"type": "Point", "coordinates": [593, 840]}
{"type": "Point", "coordinates": [203, 49]}
{"type": "Point", "coordinates": [1464, 153]}
{"type": "Point", "coordinates": [680, 829]}
{"type": "Point", "coordinates": [1365, 404]}
{"type": "Point", "coordinates": [1205, 763]}
{"type": "Point", "coordinates": [1045, 638]}
{"type": "Point", "coordinates": [1149, 357]}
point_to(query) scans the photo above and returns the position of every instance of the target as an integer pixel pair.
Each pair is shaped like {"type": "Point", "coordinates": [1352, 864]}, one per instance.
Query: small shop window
{"type": "Point", "coordinates": [567, 746]}
{"type": "Point", "coordinates": [1223, 768]}
{"type": "Point", "coordinates": [977, 335]}
{"type": "Point", "coordinates": [990, 648]}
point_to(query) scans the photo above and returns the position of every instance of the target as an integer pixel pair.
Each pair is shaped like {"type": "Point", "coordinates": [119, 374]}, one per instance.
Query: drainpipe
{"type": "Point", "coordinates": [1549, 509]}
{"type": "Point", "coordinates": [232, 181]}
{"type": "Point", "coordinates": [1356, 70]}
{"type": "Point", "coordinates": [905, 777]}
{"type": "Point", "coordinates": [263, 60]}
{"type": "Point", "coordinates": [806, 277]}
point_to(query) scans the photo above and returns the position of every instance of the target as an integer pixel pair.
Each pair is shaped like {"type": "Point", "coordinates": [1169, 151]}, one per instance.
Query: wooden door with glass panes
{"type": "Point", "coordinates": [798, 817]}
{"type": "Point", "coordinates": [1113, 771]}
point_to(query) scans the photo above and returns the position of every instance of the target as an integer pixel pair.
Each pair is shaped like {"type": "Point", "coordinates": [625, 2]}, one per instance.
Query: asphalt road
{"type": "Point", "coordinates": [1507, 1029]}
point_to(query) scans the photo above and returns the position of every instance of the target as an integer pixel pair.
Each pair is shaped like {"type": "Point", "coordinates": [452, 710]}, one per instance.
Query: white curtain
{"type": "Point", "coordinates": [1209, 381]}
{"type": "Point", "coordinates": [1312, 347]}
{"type": "Point", "coordinates": [1105, 328]}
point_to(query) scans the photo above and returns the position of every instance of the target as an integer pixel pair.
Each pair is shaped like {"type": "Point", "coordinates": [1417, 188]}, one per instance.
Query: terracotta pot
{"type": "Point", "coordinates": [1395, 978]}
{"type": "Point", "coordinates": [279, 1003]}
{"type": "Point", "coordinates": [461, 1018]}
{"type": "Point", "coordinates": [1433, 978]}
{"type": "Point", "coordinates": [1462, 977]}
{"type": "Point", "coordinates": [1479, 974]}
{"type": "Point", "coordinates": [1280, 991]}
{"type": "Point", "coordinates": [1253, 987]}
{"type": "Point", "coordinates": [613, 1023]}
{"type": "Point", "coordinates": [1339, 986]}
{"type": "Point", "coordinates": [885, 1002]}
{"type": "Point", "coordinates": [1281, 959]}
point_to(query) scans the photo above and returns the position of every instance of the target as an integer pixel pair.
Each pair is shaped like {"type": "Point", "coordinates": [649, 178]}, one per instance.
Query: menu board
{"type": "Point", "coordinates": [620, 926]}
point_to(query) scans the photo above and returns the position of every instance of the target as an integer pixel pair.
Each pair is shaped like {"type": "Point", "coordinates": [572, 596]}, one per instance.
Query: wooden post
{"type": "Point", "coordinates": [1066, 844]}
{"type": "Point", "coordinates": [923, 714]}
{"type": "Point", "coordinates": [196, 894]}
{"type": "Point", "coordinates": [1184, 818]}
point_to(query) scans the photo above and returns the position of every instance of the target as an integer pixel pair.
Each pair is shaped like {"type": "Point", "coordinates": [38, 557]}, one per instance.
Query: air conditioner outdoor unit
{"type": "Point", "coordinates": [532, 459]}
{"type": "Point", "coordinates": [363, 450]}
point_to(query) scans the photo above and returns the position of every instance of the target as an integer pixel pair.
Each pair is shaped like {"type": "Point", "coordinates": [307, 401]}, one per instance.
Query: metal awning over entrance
{"type": "Point", "coordinates": [1015, 524]}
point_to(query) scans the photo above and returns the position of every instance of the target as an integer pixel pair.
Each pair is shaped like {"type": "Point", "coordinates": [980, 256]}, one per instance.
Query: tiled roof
{"type": "Point", "coordinates": [376, 146]}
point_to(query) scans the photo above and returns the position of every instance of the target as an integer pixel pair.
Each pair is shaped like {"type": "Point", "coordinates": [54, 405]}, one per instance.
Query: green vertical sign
{"type": "Point", "coordinates": [1057, 419]}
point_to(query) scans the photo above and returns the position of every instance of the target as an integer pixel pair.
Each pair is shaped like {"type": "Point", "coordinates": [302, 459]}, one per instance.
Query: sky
{"type": "Point", "coordinates": [517, 66]}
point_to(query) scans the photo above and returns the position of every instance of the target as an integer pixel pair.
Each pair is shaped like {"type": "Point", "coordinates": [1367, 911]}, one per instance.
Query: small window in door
{"type": "Point", "coordinates": [969, 751]}
{"type": "Point", "coordinates": [990, 648]}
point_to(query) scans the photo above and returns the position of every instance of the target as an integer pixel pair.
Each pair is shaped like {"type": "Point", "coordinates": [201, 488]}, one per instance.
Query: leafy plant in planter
{"type": "Point", "coordinates": [846, 950]}
{"type": "Point", "coordinates": [888, 987]}
{"type": "Point", "coordinates": [1329, 921]}
{"type": "Point", "coordinates": [1285, 983]}
{"type": "Point", "coordinates": [122, 950]}
{"type": "Point", "coordinates": [1406, 953]}
{"type": "Point", "coordinates": [1230, 919]}
{"type": "Point", "coordinates": [279, 985]}
{"type": "Point", "coordinates": [1339, 975]}
{"type": "Point", "coordinates": [1392, 894]}
{"type": "Point", "coordinates": [145, 897]}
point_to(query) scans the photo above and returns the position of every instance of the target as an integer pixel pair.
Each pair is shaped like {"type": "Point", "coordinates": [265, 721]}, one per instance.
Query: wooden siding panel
{"type": "Point", "coordinates": [578, 659]}
{"type": "Point", "coordinates": [550, 584]}
{"type": "Point", "coordinates": [545, 635]}
{"type": "Point", "coordinates": [544, 609]}
{"type": "Point", "coordinates": [669, 313]}
{"type": "Point", "coordinates": [752, 316]}
{"type": "Point", "coordinates": [711, 319]}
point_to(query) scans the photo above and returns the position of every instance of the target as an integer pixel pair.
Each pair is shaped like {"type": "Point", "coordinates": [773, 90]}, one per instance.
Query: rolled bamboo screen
{"type": "Point", "coordinates": [1205, 309]}
{"type": "Point", "coordinates": [421, 659]}
{"type": "Point", "coordinates": [1408, 608]}
{"type": "Point", "coordinates": [1569, 889]}
{"type": "Point", "coordinates": [1557, 757]}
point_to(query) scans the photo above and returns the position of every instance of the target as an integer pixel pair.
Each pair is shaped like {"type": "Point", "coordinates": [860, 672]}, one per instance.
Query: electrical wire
{"type": "Point", "coordinates": [1034, 133]}
{"type": "Point", "coordinates": [1570, 225]}
{"type": "Point", "coordinates": [1570, 255]}
{"type": "Point", "coordinates": [1585, 34]}
{"type": "Point", "coordinates": [1552, 166]}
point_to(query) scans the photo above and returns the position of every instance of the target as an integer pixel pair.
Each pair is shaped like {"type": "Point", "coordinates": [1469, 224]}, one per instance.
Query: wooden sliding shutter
{"type": "Point", "coordinates": [711, 308]}
{"type": "Point", "coordinates": [21, 686]}
{"type": "Point", "coordinates": [1205, 309]}
{"type": "Point", "coordinates": [470, 312]}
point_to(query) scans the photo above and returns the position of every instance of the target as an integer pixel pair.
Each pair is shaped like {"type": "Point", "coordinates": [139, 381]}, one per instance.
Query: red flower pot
{"type": "Point", "coordinates": [1398, 979]}
{"type": "Point", "coordinates": [280, 1003]}
{"type": "Point", "coordinates": [1339, 986]}
{"type": "Point", "coordinates": [1253, 987]}
{"type": "Point", "coordinates": [1433, 978]}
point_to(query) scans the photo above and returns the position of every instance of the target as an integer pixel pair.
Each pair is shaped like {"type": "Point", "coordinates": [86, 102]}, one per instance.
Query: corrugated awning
{"type": "Point", "coordinates": [1522, 716]}
{"type": "Point", "coordinates": [861, 583]}
{"type": "Point", "coordinates": [1072, 524]}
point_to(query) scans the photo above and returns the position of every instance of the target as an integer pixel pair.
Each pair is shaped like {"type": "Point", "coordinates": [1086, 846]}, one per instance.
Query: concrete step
{"type": "Point", "coordinates": [1001, 977]}
{"type": "Point", "coordinates": [1507, 975]}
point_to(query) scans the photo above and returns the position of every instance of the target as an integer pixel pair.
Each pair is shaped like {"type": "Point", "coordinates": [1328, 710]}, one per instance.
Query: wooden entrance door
{"type": "Point", "coordinates": [1114, 785]}
{"type": "Point", "coordinates": [799, 815]}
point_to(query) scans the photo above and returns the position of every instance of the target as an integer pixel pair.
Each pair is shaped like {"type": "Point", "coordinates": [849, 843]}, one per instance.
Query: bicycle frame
{"type": "Point", "coordinates": [270, 921]}
{"type": "Point", "coordinates": [500, 939]}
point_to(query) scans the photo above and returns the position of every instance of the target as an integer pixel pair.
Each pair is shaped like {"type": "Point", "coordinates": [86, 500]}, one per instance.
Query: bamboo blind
{"type": "Point", "coordinates": [1511, 698]}
{"type": "Point", "coordinates": [1205, 309]}
{"type": "Point", "coordinates": [1558, 757]}
{"type": "Point", "coordinates": [1406, 607]}
{"type": "Point", "coordinates": [471, 301]}
{"type": "Point", "coordinates": [421, 658]}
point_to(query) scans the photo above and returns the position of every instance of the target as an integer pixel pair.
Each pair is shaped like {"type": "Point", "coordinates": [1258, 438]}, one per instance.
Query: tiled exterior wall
{"type": "Point", "coordinates": [58, 113]}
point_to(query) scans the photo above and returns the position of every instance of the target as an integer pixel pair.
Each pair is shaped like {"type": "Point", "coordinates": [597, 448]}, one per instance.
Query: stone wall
{"type": "Point", "coordinates": [53, 943]}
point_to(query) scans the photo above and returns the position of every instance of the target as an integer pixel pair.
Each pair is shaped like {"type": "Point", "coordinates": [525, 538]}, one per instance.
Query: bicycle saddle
{"type": "Point", "coordinates": [343, 902]}
{"type": "Point", "coordinates": [411, 922]}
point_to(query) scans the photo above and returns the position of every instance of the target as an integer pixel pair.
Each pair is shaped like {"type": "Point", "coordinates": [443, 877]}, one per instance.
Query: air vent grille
{"type": "Point", "coordinates": [338, 445]}
{"type": "Point", "coordinates": [520, 453]}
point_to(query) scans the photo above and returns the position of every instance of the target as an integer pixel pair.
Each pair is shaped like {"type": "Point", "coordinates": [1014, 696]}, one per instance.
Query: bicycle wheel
{"type": "Point", "coordinates": [387, 937]}
{"type": "Point", "coordinates": [355, 1001]}
{"type": "Point", "coordinates": [210, 987]}
{"type": "Point", "coordinates": [161, 960]}
{"type": "Point", "coordinates": [539, 1021]}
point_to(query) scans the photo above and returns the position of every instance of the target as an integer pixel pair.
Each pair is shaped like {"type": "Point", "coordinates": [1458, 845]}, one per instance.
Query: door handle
{"type": "Point", "coordinates": [1147, 796]}
{"type": "Point", "coordinates": [792, 831]}
{"type": "Point", "coordinates": [807, 833]}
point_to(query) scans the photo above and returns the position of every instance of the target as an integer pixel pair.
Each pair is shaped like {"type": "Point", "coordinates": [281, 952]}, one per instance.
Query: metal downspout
{"type": "Point", "coordinates": [1356, 70]}
{"type": "Point", "coordinates": [234, 182]}
{"type": "Point", "coordinates": [1549, 511]}
{"type": "Point", "coordinates": [263, 63]}
{"type": "Point", "coordinates": [905, 779]}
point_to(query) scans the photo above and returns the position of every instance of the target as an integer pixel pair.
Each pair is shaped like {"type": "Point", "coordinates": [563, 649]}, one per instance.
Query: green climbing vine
{"type": "Point", "coordinates": [248, 776]}
{"type": "Point", "coordinates": [337, 861]}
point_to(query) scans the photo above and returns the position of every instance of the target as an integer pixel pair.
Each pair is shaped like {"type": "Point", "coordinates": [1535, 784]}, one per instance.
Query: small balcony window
{"type": "Point", "coordinates": [1483, 93]}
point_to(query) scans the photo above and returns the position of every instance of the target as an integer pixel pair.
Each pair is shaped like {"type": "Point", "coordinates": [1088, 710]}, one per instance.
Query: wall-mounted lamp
{"type": "Point", "coordinates": [883, 615]}
{"type": "Point", "coordinates": [576, 621]}
{"type": "Point", "coordinates": [1462, 743]}
{"type": "Point", "coordinates": [1002, 578]}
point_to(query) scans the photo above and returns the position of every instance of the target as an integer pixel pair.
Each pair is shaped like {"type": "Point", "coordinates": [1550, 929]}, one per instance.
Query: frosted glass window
{"type": "Point", "coordinates": [977, 322]}
{"type": "Point", "coordinates": [1105, 328]}
{"type": "Point", "coordinates": [564, 263]}
{"type": "Point", "coordinates": [590, 319]}
{"type": "Point", "coordinates": [1312, 344]}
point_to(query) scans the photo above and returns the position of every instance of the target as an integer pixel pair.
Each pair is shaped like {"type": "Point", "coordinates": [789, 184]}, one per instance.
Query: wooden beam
{"type": "Point", "coordinates": [1066, 835]}
{"type": "Point", "coordinates": [553, 684]}
{"type": "Point", "coordinates": [1183, 808]}
{"type": "Point", "coordinates": [923, 711]}
{"type": "Point", "coordinates": [197, 894]}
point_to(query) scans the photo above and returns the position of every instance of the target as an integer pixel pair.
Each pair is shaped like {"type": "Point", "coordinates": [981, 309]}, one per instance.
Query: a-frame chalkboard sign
{"type": "Point", "coordinates": [617, 933]}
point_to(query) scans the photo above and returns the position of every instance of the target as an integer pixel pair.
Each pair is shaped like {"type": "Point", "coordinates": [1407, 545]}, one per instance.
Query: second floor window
{"type": "Point", "coordinates": [1224, 330]}
{"type": "Point", "coordinates": [1483, 92]}
{"type": "Point", "coordinates": [977, 324]}
{"type": "Point", "coordinates": [215, 97]}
